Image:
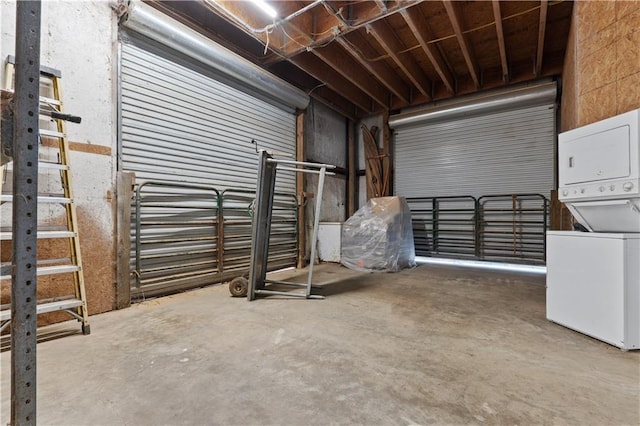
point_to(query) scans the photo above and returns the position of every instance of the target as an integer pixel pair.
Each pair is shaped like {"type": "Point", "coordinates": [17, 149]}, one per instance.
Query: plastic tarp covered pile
{"type": "Point", "coordinates": [379, 237]}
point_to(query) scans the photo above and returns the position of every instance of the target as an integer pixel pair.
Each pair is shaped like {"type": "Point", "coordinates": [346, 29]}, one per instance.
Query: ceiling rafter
{"type": "Point", "coordinates": [414, 21]}
{"type": "Point", "coordinates": [382, 5]}
{"type": "Point", "coordinates": [456, 23]}
{"type": "Point", "coordinates": [387, 39]}
{"type": "Point", "coordinates": [333, 26]}
{"type": "Point", "coordinates": [359, 59]}
{"type": "Point", "coordinates": [542, 25]}
{"type": "Point", "coordinates": [347, 66]}
{"type": "Point", "coordinates": [497, 16]}
{"type": "Point", "coordinates": [380, 70]}
{"type": "Point", "coordinates": [321, 71]}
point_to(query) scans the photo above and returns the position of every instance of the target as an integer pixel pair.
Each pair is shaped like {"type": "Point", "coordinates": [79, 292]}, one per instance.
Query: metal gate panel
{"type": "Point", "coordinates": [181, 127]}
{"type": "Point", "coordinates": [500, 153]}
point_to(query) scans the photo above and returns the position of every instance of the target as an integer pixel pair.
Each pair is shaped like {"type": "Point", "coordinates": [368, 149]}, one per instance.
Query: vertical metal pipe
{"type": "Point", "coordinates": [477, 223]}
{"type": "Point", "coordinates": [436, 225]}
{"type": "Point", "coordinates": [25, 214]}
{"type": "Point", "coordinates": [138, 236]}
{"type": "Point", "coordinates": [220, 229]}
{"type": "Point", "coordinates": [316, 227]}
{"type": "Point", "coordinates": [545, 206]}
{"type": "Point", "coordinates": [301, 239]}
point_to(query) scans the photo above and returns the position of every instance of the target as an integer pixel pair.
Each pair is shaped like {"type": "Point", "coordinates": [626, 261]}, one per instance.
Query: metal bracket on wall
{"type": "Point", "coordinates": [267, 168]}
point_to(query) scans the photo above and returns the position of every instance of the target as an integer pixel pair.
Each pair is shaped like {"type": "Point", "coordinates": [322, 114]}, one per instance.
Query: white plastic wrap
{"type": "Point", "coordinates": [379, 237]}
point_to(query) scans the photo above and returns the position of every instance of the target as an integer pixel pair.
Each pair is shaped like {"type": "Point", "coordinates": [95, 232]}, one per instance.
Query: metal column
{"type": "Point", "coordinates": [25, 214]}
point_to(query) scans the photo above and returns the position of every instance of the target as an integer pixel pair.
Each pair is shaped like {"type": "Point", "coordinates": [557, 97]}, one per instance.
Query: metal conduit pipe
{"type": "Point", "coordinates": [143, 19]}
{"type": "Point", "coordinates": [518, 97]}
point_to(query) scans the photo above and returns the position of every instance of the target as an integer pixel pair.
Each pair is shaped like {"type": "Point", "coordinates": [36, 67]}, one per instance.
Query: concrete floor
{"type": "Point", "coordinates": [434, 345]}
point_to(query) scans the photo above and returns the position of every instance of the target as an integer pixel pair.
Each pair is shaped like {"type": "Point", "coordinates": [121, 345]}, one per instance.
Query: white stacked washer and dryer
{"type": "Point", "coordinates": [593, 277]}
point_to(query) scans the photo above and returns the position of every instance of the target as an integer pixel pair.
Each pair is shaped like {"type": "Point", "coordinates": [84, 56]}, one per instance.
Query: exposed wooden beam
{"type": "Point", "coordinates": [416, 24]}
{"type": "Point", "coordinates": [542, 25]}
{"type": "Point", "coordinates": [380, 70]}
{"type": "Point", "coordinates": [456, 23]}
{"type": "Point", "coordinates": [316, 89]}
{"type": "Point", "coordinates": [347, 66]}
{"type": "Point", "coordinates": [385, 36]}
{"type": "Point", "coordinates": [317, 68]}
{"type": "Point", "coordinates": [497, 16]}
{"type": "Point", "coordinates": [328, 24]}
{"type": "Point", "coordinates": [300, 181]}
{"type": "Point", "coordinates": [352, 165]}
{"type": "Point", "coordinates": [382, 5]}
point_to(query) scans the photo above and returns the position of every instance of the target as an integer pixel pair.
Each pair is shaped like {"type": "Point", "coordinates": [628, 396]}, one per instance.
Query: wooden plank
{"type": "Point", "coordinates": [414, 19]}
{"type": "Point", "coordinates": [352, 178]}
{"type": "Point", "coordinates": [387, 39]}
{"type": "Point", "coordinates": [124, 194]}
{"type": "Point", "coordinates": [380, 70]}
{"type": "Point", "coordinates": [319, 70]}
{"type": "Point", "coordinates": [79, 146]}
{"type": "Point", "coordinates": [497, 16]}
{"type": "Point", "coordinates": [300, 180]}
{"type": "Point", "coordinates": [542, 25]}
{"type": "Point", "coordinates": [352, 70]}
{"type": "Point", "coordinates": [373, 163]}
{"type": "Point", "coordinates": [456, 23]}
{"type": "Point", "coordinates": [327, 22]}
{"type": "Point", "coordinates": [386, 157]}
{"type": "Point", "coordinates": [346, 66]}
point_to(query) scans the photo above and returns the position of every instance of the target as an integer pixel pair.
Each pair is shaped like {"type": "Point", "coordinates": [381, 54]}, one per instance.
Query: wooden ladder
{"type": "Point", "coordinates": [56, 141]}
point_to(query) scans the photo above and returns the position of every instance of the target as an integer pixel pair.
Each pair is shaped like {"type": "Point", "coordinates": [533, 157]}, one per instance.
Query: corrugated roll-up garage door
{"type": "Point", "coordinates": [187, 136]}
{"type": "Point", "coordinates": [451, 157]}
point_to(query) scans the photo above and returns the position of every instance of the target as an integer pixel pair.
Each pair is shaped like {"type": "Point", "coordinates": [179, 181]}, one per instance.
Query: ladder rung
{"type": "Point", "coordinates": [50, 101]}
{"type": "Point", "coordinates": [43, 99]}
{"type": "Point", "coordinates": [42, 165]}
{"type": "Point", "coordinates": [42, 270]}
{"type": "Point", "coordinates": [43, 308]}
{"type": "Point", "coordinates": [41, 199]}
{"type": "Point", "coordinates": [54, 166]}
{"type": "Point", "coordinates": [51, 133]}
{"type": "Point", "coordinates": [6, 235]}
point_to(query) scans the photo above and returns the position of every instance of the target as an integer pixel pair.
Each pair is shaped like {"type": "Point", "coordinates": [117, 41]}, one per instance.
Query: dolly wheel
{"type": "Point", "coordinates": [238, 287]}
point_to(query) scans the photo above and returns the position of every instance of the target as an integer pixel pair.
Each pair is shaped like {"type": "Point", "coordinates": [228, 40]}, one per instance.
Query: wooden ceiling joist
{"type": "Point", "coordinates": [353, 71]}
{"type": "Point", "coordinates": [456, 23]}
{"type": "Point", "coordinates": [386, 38]}
{"type": "Point", "coordinates": [414, 21]}
{"type": "Point", "coordinates": [497, 16]}
{"type": "Point", "coordinates": [346, 66]}
{"type": "Point", "coordinates": [382, 5]}
{"type": "Point", "coordinates": [380, 70]}
{"type": "Point", "coordinates": [358, 58]}
{"type": "Point", "coordinates": [542, 25]}
{"type": "Point", "coordinates": [321, 71]}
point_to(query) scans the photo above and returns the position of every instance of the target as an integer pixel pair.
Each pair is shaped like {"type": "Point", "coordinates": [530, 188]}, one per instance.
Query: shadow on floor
{"type": "Point", "coordinates": [45, 334]}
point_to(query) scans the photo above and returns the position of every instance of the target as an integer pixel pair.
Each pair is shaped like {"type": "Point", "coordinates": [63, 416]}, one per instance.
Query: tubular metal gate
{"type": "Point", "coordinates": [186, 236]}
{"type": "Point", "coordinates": [508, 228]}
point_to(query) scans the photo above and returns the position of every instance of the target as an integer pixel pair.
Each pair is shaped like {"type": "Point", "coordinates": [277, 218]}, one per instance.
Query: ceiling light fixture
{"type": "Point", "coordinates": [266, 8]}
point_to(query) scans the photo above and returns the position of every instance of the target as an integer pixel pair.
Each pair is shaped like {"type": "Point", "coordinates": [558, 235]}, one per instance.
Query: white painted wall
{"type": "Point", "coordinates": [78, 38]}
